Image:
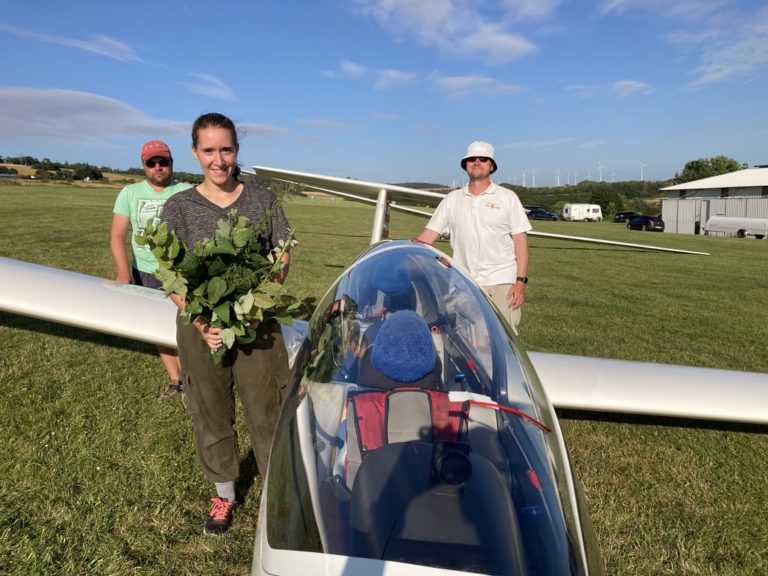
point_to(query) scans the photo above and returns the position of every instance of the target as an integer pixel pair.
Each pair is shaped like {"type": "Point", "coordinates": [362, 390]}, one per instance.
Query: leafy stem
{"type": "Point", "coordinates": [228, 280]}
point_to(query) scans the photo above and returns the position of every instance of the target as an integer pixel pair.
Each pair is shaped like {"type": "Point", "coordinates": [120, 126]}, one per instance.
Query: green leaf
{"type": "Point", "coordinates": [174, 246]}
{"type": "Point", "coordinates": [217, 266]}
{"type": "Point", "coordinates": [173, 283]}
{"type": "Point", "coordinates": [242, 236]}
{"type": "Point", "coordinates": [221, 246]}
{"type": "Point", "coordinates": [245, 302]}
{"type": "Point", "coordinates": [272, 288]}
{"type": "Point", "coordinates": [217, 287]}
{"type": "Point", "coordinates": [284, 319]}
{"type": "Point", "coordinates": [223, 312]}
{"type": "Point", "coordinates": [228, 337]}
{"type": "Point", "coordinates": [188, 265]}
{"type": "Point", "coordinates": [218, 355]}
{"type": "Point", "coordinates": [248, 337]}
{"type": "Point", "coordinates": [224, 227]}
{"type": "Point", "coordinates": [193, 309]}
{"type": "Point", "coordinates": [263, 300]}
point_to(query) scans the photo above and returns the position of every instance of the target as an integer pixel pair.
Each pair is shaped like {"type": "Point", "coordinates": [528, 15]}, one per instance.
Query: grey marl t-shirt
{"type": "Point", "coordinates": [193, 217]}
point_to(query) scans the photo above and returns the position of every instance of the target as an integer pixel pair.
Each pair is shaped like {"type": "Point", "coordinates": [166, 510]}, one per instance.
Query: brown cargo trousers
{"type": "Point", "coordinates": [259, 371]}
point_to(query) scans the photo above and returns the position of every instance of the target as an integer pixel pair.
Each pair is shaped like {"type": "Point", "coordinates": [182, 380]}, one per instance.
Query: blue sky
{"type": "Point", "coordinates": [393, 90]}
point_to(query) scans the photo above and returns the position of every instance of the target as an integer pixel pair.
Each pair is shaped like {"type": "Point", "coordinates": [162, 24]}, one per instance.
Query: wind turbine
{"type": "Point", "coordinates": [600, 167]}
{"type": "Point", "coordinates": [641, 170]}
{"type": "Point", "coordinates": [524, 173]}
{"type": "Point", "coordinates": [533, 176]}
{"type": "Point", "coordinates": [557, 176]}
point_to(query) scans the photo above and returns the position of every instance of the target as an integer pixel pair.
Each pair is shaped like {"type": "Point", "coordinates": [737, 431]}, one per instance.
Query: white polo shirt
{"type": "Point", "coordinates": [481, 229]}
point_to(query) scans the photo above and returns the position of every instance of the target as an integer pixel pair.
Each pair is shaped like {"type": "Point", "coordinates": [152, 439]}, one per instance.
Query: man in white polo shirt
{"type": "Point", "coordinates": [488, 228]}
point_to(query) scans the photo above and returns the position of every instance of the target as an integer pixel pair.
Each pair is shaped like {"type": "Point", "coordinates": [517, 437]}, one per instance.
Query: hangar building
{"type": "Point", "coordinates": [688, 206]}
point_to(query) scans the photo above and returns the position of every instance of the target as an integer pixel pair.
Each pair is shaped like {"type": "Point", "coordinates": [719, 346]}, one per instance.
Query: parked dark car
{"type": "Point", "coordinates": [625, 215]}
{"type": "Point", "coordinates": [539, 213]}
{"type": "Point", "coordinates": [646, 223]}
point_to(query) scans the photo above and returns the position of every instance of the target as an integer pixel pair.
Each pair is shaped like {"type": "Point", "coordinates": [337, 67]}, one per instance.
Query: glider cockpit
{"type": "Point", "coordinates": [416, 431]}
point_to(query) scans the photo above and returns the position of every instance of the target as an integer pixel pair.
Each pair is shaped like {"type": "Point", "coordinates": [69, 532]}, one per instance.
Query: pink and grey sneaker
{"type": "Point", "coordinates": [220, 516]}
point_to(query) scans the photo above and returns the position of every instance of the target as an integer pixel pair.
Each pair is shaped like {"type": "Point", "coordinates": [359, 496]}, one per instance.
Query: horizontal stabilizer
{"type": "Point", "coordinates": [368, 192]}
{"type": "Point", "coordinates": [349, 186]}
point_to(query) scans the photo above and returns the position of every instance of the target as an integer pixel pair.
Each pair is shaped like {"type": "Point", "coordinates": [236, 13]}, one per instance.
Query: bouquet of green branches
{"type": "Point", "coordinates": [226, 279]}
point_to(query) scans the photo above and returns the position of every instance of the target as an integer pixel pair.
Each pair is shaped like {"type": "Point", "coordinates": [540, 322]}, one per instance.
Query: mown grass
{"type": "Point", "coordinates": [99, 479]}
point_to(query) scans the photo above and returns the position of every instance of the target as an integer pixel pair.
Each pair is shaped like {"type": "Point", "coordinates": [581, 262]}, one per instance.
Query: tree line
{"type": "Point", "coordinates": [47, 169]}
{"type": "Point", "coordinates": [612, 197]}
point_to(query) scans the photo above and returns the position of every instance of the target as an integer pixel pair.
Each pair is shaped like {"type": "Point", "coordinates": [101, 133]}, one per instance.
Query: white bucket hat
{"type": "Point", "coordinates": [481, 149]}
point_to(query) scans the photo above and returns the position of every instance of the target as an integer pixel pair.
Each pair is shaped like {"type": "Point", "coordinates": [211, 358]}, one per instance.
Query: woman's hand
{"type": "Point", "coordinates": [211, 336]}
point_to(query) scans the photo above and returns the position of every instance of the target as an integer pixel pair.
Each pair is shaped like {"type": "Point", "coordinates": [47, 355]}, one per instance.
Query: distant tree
{"type": "Point", "coordinates": [607, 198]}
{"type": "Point", "coordinates": [6, 170]}
{"type": "Point", "coordinates": [707, 167]}
{"type": "Point", "coordinates": [187, 177]}
{"type": "Point", "coordinates": [87, 173]}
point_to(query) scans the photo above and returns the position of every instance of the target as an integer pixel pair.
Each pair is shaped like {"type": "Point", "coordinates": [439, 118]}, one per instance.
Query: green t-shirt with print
{"type": "Point", "coordinates": [143, 204]}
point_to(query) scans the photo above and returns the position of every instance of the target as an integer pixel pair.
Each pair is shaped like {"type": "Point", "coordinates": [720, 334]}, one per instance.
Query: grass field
{"type": "Point", "coordinates": [99, 479]}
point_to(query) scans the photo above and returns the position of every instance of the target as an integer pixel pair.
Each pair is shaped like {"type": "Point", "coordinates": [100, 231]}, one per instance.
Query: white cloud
{"type": "Point", "coordinates": [101, 45]}
{"type": "Point", "coordinates": [729, 42]}
{"type": "Point", "coordinates": [530, 9]}
{"type": "Point", "coordinates": [621, 88]}
{"type": "Point", "coordinates": [585, 90]}
{"type": "Point", "coordinates": [741, 48]}
{"type": "Point", "coordinates": [82, 118]}
{"type": "Point", "coordinates": [680, 9]}
{"type": "Point", "coordinates": [352, 69]}
{"type": "Point", "coordinates": [459, 27]}
{"type": "Point", "coordinates": [626, 88]}
{"type": "Point", "coordinates": [390, 78]}
{"type": "Point", "coordinates": [538, 144]}
{"type": "Point", "coordinates": [322, 123]}
{"type": "Point", "coordinates": [460, 86]}
{"type": "Point", "coordinates": [209, 86]}
{"type": "Point", "coordinates": [492, 44]}
{"type": "Point", "coordinates": [383, 78]}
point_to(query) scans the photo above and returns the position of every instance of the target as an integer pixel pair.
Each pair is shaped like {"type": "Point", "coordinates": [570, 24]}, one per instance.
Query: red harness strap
{"type": "Point", "coordinates": [370, 409]}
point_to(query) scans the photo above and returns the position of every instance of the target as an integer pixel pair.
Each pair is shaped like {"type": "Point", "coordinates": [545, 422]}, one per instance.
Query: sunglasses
{"type": "Point", "coordinates": [164, 162]}
{"type": "Point", "coordinates": [481, 159]}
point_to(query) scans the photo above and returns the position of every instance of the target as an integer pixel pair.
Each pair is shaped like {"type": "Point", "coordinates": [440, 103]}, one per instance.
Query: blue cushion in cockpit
{"type": "Point", "coordinates": [404, 350]}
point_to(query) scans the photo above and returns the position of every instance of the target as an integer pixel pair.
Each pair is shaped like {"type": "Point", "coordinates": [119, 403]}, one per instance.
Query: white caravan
{"type": "Point", "coordinates": [738, 226]}
{"type": "Point", "coordinates": [582, 213]}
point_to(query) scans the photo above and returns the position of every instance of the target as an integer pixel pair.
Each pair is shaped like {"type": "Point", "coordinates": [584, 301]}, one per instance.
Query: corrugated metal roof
{"type": "Point", "coordinates": [747, 178]}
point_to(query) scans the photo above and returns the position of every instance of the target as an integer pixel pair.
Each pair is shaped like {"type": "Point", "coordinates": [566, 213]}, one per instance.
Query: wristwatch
{"type": "Point", "coordinates": [523, 279]}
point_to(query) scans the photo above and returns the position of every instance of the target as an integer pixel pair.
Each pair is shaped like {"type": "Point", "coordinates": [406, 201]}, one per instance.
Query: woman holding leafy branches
{"type": "Point", "coordinates": [259, 369]}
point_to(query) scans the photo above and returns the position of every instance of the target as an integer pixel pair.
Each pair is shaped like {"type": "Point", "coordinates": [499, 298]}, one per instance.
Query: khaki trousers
{"type": "Point", "coordinates": [498, 294]}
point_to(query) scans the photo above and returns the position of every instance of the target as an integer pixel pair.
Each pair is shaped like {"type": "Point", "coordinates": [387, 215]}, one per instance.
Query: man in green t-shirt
{"type": "Point", "coordinates": [137, 205]}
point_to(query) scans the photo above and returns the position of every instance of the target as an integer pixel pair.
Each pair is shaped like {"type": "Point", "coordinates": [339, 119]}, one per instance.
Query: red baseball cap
{"type": "Point", "coordinates": [154, 149]}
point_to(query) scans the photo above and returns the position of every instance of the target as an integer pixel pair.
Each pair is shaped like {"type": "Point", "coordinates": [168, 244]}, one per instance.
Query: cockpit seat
{"type": "Point", "coordinates": [379, 417]}
{"type": "Point", "coordinates": [402, 510]}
